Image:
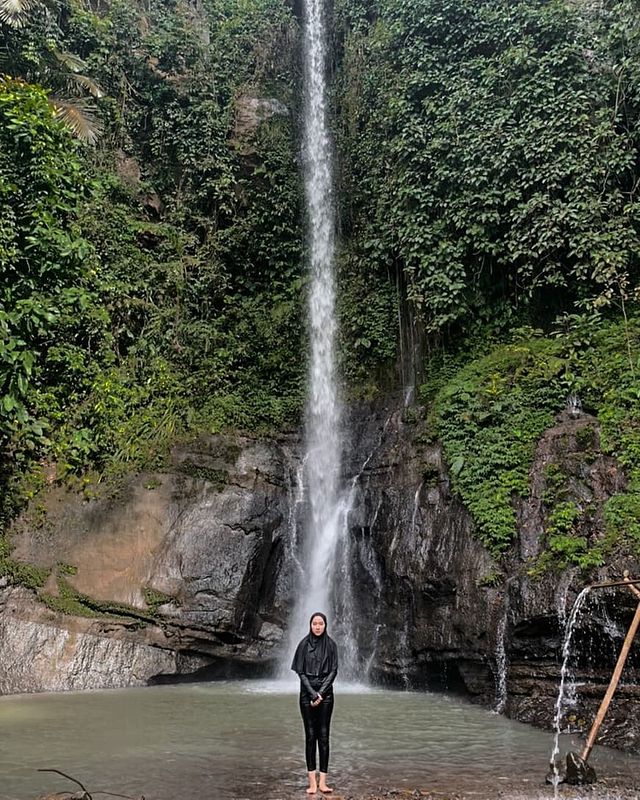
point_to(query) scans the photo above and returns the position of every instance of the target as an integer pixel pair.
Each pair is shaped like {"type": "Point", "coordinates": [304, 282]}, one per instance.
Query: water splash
{"type": "Point", "coordinates": [408, 395]}
{"type": "Point", "coordinates": [369, 561]}
{"type": "Point", "coordinates": [564, 673]}
{"type": "Point", "coordinates": [609, 626]}
{"type": "Point", "coordinates": [296, 499]}
{"type": "Point", "coordinates": [416, 506]}
{"type": "Point", "coordinates": [562, 594]}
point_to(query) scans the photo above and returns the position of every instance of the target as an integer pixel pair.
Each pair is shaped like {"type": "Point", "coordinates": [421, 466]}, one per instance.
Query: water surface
{"type": "Point", "coordinates": [244, 740]}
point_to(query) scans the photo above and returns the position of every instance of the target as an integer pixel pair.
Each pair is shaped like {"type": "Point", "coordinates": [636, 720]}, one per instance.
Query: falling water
{"type": "Point", "coordinates": [562, 594]}
{"type": "Point", "coordinates": [564, 672]}
{"type": "Point", "coordinates": [344, 554]}
{"type": "Point", "coordinates": [574, 405]}
{"type": "Point", "coordinates": [369, 561]}
{"type": "Point", "coordinates": [405, 654]}
{"type": "Point", "coordinates": [323, 420]}
{"type": "Point", "coordinates": [414, 518]}
{"type": "Point", "coordinates": [416, 507]}
{"type": "Point", "coordinates": [295, 496]}
{"type": "Point", "coordinates": [501, 657]}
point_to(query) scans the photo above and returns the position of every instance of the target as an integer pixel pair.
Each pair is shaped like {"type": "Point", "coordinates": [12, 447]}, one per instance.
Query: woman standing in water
{"type": "Point", "coordinates": [316, 662]}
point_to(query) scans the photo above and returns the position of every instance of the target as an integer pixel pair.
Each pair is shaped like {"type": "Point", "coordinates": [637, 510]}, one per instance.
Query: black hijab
{"type": "Point", "coordinates": [316, 655]}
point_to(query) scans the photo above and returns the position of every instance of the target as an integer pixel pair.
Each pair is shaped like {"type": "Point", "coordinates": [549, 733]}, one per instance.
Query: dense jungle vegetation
{"type": "Point", "coordinates": [152, 231]}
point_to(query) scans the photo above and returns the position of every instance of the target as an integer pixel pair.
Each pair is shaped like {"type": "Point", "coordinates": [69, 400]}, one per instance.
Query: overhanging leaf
{"type": "Point", "coordinates": [15, 13]}
{"type": "Point", "coordinates": [80, 118]}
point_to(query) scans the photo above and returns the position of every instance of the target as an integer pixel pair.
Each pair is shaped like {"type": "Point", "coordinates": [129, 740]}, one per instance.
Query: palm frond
{"type": "Point", "coordinates": [71, 76]}
{"type": "Point", "coordinates": [79, 117]}
{"type": "Point", "coordinates": [69, 61]}
{"type": "Point", "coordinates": [88, 84]}
{"type": "Point", "coordinates": [15, 13]}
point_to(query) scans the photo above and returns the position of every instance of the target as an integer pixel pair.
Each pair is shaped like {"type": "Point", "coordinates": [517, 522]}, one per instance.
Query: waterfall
{"type": "Point", "coordinates": [564, 672]}
{"type": "Point", "coordinates": [327, 505]}
{"type": "Point", "coordinates": [501, 656]}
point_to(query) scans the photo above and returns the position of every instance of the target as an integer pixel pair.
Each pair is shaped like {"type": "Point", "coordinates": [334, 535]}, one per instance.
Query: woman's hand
{"type": "Point", "coordinates": [317, 701]}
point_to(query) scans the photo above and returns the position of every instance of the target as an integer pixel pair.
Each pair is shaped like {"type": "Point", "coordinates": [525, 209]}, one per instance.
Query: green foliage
{"type": "Point", "coordinates": [48, 310]}
{"type": "Point", "coordinates": [609, 383]}
{"type": "Point", "coordinates": [217, 477]}
{"type": "Point", "coordinates": [490, 416]}
{"type": "Point", "coordinates": [491, 412]}
{"type": "Point", "coordinates": [154, 599]}
{"type": "Point", "coordinates": [70, 601]}
{"type": "Point", "coordinates": [152, 287]}
{"type": "Point", "coordinates": [565, 540]}
{"type": "Point", "coordinates": [491, 579]}
{"type": "Point", "coordinates": [28, 575]}
{"type": "Point", "coordinates": [555, 480]}
{"type": "Point", "coordinates": [561, 537]}
{"type": "Point", "coordinates": [32, 47]}
{"type": "Point", "coordinates": [622, 517]}
{"type": "Point", "coordinates": [489, 152]}
{"type": "Point", "coordinates": [368, 313]}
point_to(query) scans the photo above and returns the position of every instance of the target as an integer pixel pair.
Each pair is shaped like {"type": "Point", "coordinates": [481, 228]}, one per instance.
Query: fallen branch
{"type": "Point", "coordinates": [86, 795]}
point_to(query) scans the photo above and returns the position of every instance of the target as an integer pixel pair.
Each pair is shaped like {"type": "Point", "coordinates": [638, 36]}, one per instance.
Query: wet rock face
{"type": "Point", "coordinates": [188, 566]}
{"type": "Point", "coordinates": [251, 112]}
{"type": "Point", "coordinates": [435, 611]}
{"type": "Point", "coordinates": [421, 613]}
{"type": "Point", "coordinates": [539, 608]}
{"type": "Point", "coordinates": [43, 651]}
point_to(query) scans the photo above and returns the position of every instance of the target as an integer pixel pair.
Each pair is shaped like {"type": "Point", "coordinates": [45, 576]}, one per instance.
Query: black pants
{"type": "Point", "coordinates": [316, 730]}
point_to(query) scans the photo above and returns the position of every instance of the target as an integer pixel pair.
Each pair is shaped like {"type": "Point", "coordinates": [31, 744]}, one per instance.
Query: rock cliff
{"type": "Point", "coordinates": [190, 572]}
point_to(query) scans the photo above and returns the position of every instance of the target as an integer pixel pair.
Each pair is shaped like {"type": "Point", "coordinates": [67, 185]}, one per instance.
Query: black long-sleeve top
{"type": "Point", "coordinates": [314, 685]}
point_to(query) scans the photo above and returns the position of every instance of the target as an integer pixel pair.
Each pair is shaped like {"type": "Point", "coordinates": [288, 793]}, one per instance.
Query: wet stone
{"type": "Point", "coordinates": [579, 772]}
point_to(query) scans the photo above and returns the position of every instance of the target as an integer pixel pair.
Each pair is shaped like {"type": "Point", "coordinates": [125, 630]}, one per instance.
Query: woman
{"type": "Point", "coordinates": [316, 662]}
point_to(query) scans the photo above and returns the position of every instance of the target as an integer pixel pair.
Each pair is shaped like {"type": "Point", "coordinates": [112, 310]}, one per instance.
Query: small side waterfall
{"type": "Point", "coordinates": [501, 656]}
{"type": "Point", "coordinates": [405, 654]}
{"type": "Point", "coordinates": [564, 673]}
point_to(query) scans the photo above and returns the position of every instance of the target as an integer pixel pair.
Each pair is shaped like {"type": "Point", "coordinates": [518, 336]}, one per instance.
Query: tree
{"type": "Point", "coordinates": [42, 259]}
{"type": "Point", "coordinates": [31, 37]}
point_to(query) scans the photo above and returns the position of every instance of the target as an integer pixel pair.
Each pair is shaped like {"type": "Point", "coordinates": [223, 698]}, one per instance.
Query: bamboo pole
{"type": "Point", "coordinates": [630, 583]}
{"type": "Point", "coordinates": [604, 706]}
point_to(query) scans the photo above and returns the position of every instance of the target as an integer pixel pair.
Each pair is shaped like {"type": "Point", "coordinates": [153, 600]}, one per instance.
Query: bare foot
{"type": "Point", "coordinates": [313, 784]}
{"type": "Point", "coordinates": [323, 784]}
{"type": "Point", "coordinates": [326, 789]}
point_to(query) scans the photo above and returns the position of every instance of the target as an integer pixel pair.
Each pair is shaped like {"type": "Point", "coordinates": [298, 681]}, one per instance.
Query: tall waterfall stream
{"type": "Point", "coordinates": [327, 502]}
